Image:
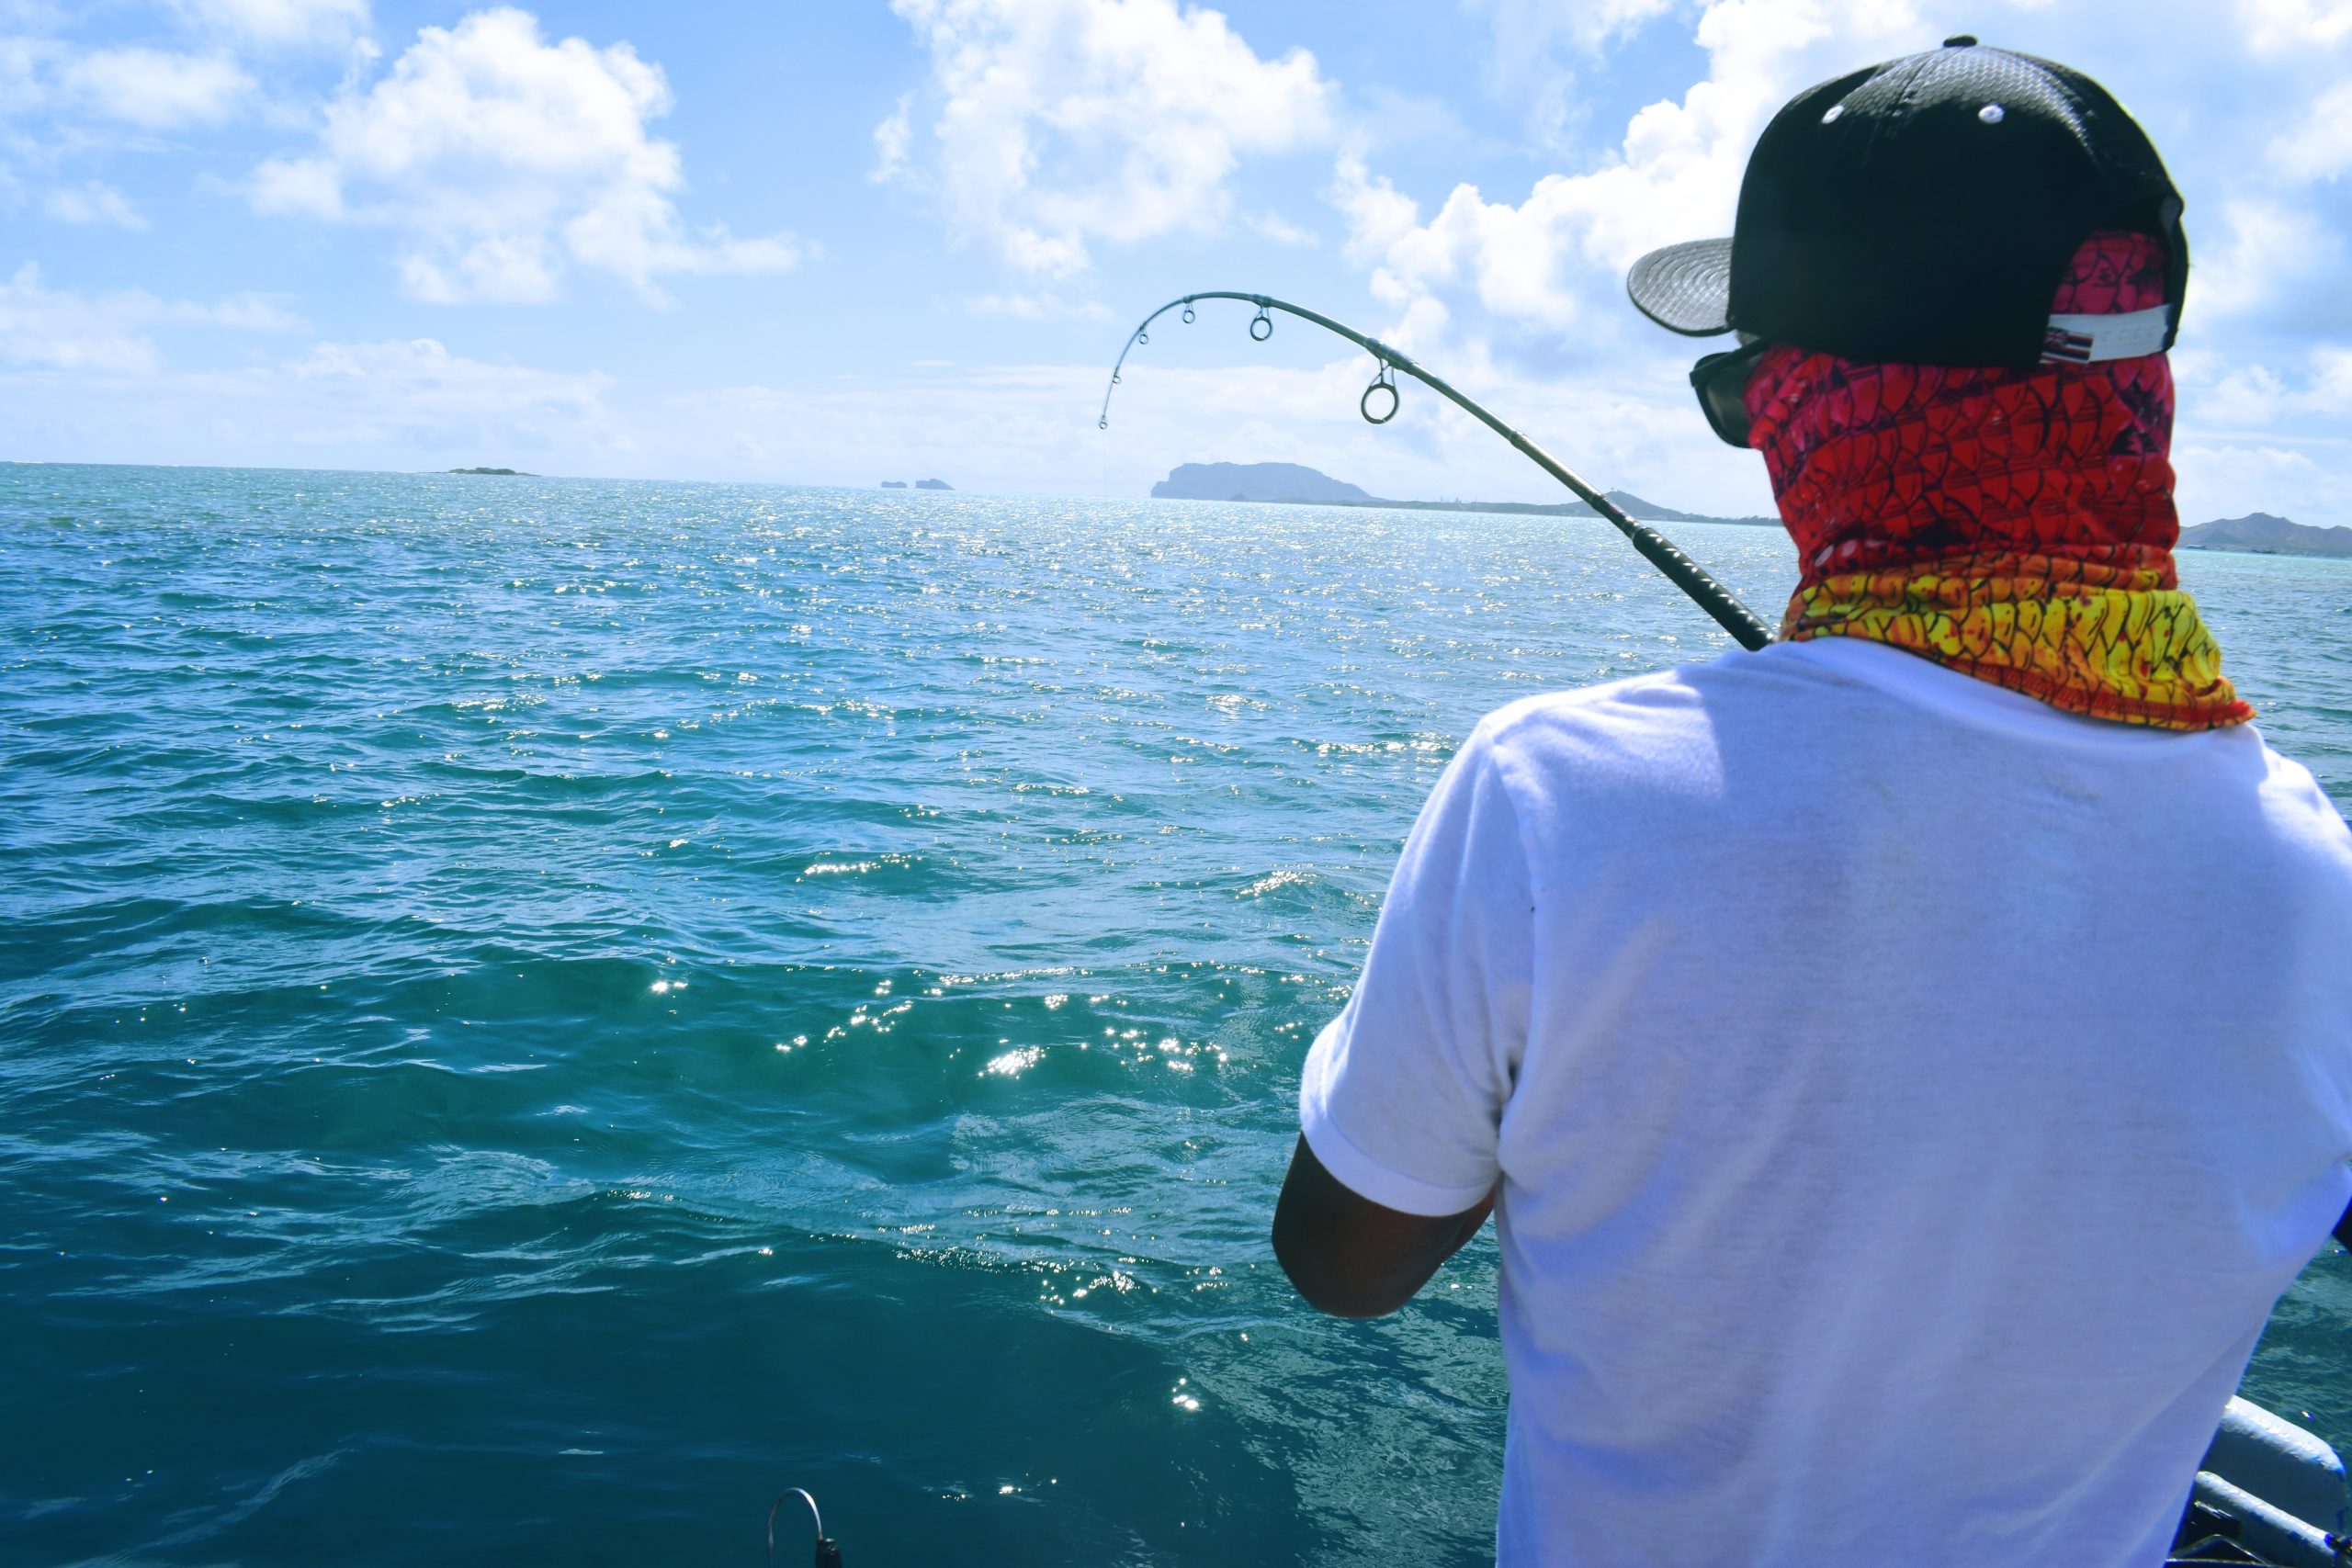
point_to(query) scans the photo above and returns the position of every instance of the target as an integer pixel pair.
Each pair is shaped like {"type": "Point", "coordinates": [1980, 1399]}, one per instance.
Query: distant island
{"type": "Point", "coordinates": [1290, 482]}
{"type": "Point", "coordinates": [2260, 534]}
{"type": "Point", "coordinates": [1296, 485]}
{"type": "Point", "coordinates": [515, 473]}
{"type": "Point", "coordinates": [919, 484]}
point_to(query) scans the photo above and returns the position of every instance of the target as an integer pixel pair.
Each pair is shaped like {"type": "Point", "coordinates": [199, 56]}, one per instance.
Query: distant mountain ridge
{"type": "Point", "coordinates": [1295, 484]}
{"type": "Point", "coordinates": [2259, 533]}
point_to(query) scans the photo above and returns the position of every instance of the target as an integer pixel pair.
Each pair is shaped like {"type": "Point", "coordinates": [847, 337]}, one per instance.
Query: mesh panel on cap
{"type": "Point", "coordinates": [1686, 288]}
{"type": "Point", "coordinates": [1997, 76]}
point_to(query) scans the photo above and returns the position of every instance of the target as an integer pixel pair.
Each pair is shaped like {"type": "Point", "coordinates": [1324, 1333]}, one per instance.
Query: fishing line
{"type": "Point", "coordinates": [1380, 402]}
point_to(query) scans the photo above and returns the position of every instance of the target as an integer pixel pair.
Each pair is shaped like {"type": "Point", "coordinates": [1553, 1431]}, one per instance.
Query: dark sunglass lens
{"type": "Point", "coordinates": [1721, 381]}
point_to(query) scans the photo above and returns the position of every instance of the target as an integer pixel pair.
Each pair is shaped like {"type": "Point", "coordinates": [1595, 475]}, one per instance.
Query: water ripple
{"type": "Point", "coordinates": [585, 1003]}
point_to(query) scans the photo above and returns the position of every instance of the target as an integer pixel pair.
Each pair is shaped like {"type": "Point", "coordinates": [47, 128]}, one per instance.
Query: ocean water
{"type": "Point", "coordinates": [535, 1014]}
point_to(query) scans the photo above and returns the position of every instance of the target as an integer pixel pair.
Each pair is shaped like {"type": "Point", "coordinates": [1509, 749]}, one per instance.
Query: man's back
{"type": "Point", "coordinates": [1909, 1100]}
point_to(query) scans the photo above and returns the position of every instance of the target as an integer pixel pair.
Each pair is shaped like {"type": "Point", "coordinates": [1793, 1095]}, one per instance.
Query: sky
{"type": "Point", "coordinates": [839, 241]}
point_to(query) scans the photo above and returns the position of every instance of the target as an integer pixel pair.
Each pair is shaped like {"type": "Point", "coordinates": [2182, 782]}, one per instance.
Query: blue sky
{"type": "Point", "coordinates": [841, 242]}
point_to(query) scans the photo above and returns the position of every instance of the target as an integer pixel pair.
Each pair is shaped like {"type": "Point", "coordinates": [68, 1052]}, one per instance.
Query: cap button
{"type": "Point", "coordinates": [1960, 40]}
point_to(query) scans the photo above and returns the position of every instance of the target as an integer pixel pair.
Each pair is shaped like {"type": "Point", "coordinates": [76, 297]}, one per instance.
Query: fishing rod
{"type": "Point", "coordinates": [1655, 547]}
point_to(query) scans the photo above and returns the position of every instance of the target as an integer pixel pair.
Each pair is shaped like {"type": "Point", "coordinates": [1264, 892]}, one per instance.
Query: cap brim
{"type": "Point", "coordinates": [1685, 288]}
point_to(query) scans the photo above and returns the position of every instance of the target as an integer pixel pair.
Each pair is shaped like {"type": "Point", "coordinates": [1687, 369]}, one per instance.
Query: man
{"type": "Point", "coordinates": [1907, 1063]}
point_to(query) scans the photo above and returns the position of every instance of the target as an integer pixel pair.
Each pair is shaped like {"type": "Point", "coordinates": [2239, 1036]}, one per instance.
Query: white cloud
{"type": "Point", "coordinates": [55, 328]}
{"type": "Point", "coordinates": [2320, 145]}
{"type": "Point", "coordinates": [1038, 308]}
{"type": "Point", "coordinates": [503, 160]}
{"type": "Point", "coordinates": [892, 139]}
{"type": "Point", "coordinates": [22, 63]}
{"type": "Point", "coordinates": [2268, 246]}
{"type": "Point", "coordinates": [156, 88]}
{"type": "Point", "coordinates": [1674, 176]}
{"type": "Point", "coordinates": [2281, 26]}
{"type": "Point", "coordinates": [1378, 214]}
{"type": "Point", "coordinates": [1538, 46]}
{"type": "Point", "coordinates": [1279, 229]}
{"type": "Point", "coordinates": [2310, 396]}
{"type": "Point", "coordinates": [1064, 122]}
{"type": "Point", "coordinates": [417, 395]}
{"type": "Point", "coordinates": [2230, 478]}
{"type": "Point", "coordinates": [402, 404]}
{"type": "Point", "coordinates": [92, 201]}
{"type": "Point", "coordinates": [2225, 395]}
{"type": "Point", "coordinates": [280, 24]}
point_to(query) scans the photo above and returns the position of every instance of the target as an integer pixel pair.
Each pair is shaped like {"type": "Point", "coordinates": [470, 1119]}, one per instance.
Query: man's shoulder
{"type": "Point", "coordinates": [2299, 807]}
{"type": "Point", "coordinates": [1662, 706]}
{"type": "Point", "coordinates": [1609, 702]}
{"type": "Point", "coordinates": [1641, 733]}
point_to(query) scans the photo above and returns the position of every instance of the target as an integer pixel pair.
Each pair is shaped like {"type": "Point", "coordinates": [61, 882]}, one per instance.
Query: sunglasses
{"type": "Point", "coordinates": [1721, 381]}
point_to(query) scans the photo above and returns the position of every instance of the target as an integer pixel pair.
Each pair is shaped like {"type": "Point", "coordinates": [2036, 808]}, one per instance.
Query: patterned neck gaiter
{"type": "Point", "coordinates": [2016, 525]}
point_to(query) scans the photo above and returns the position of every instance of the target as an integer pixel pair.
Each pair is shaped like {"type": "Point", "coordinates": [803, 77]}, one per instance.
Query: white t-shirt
{"type": "Point", "coordinates": [1909, 1100]}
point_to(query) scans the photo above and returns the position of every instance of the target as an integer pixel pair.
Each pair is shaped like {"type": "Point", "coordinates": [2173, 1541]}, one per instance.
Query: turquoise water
{"type": "Point", "coordinates": [535, 1014]}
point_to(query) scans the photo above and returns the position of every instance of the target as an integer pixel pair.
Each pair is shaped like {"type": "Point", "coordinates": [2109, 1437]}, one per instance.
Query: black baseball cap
{"type": "Point", "coordinates": [1923, 211]}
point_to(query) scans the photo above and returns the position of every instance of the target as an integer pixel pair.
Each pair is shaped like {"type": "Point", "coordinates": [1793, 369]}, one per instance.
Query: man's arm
{"type": "Point", "coordinates": [1352, 1257]}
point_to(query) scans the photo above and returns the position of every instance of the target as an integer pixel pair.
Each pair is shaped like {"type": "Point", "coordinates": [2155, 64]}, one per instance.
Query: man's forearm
{"type": "Point", "coordinates": [1352, 1257]}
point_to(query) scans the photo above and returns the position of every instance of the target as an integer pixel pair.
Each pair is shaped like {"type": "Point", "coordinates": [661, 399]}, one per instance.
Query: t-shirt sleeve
{"type": "Point", "coordinates": [1403, 1093]}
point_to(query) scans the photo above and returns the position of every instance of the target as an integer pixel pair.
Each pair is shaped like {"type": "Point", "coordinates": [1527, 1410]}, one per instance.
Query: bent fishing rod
{"type": "Point", "coordinates": [1655, 547]}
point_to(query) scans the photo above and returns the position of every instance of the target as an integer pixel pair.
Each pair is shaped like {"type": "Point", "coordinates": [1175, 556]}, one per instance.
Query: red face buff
{"type": "Point", "coordinates": [2016, 525]}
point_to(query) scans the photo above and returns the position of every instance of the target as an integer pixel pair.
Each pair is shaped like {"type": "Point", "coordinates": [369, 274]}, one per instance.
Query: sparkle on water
{"type": "Point", "coordinates": [535, 1014]}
